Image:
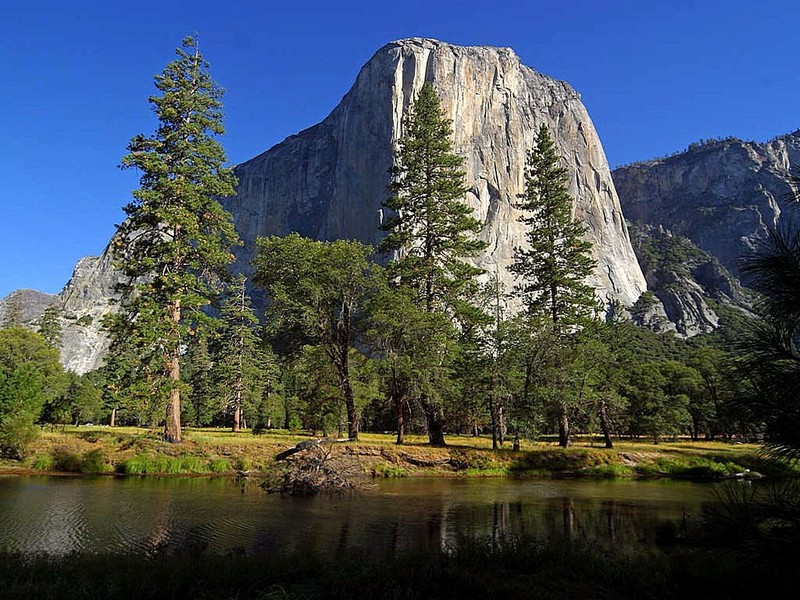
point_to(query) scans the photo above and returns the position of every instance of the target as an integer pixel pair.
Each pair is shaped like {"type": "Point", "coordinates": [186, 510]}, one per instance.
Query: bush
{"type": "Point", "coordinates": [94, 462]}
{"type": "Point", "coordinates": [42, 462]}
{"type": "Point", "coordinates": [66, 461]}
{"type": "Point", "coordinates": [17, 432]}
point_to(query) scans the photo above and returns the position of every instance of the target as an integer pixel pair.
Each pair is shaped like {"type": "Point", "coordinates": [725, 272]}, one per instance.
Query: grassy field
{"type": "Point", "coordinates": [134, 451]}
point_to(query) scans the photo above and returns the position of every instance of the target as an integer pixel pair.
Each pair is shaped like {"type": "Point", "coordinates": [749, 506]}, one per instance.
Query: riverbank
{"type": "Point", "coordinates": [98, 450]}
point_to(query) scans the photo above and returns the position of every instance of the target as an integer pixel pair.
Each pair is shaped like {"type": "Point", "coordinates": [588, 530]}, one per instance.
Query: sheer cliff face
{"type": "Point", "coordinates": [723, 196]}
{"type": "Point", "coordinates": [329, 181]}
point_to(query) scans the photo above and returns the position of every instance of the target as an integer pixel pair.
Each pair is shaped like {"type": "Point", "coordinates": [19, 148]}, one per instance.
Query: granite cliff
{"type": "Point", "coordinates": [723, 195]}
{"type": "Point", "coordinates": [695, 215]}
{"type": "Point", "coordinates": [328, 181]}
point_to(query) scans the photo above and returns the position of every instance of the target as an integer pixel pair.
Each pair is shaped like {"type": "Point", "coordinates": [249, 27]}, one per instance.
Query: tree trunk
{"type": "Point", "coordinates": [435, 421]}
{"type": "Point", "coordinates": [563, 426]}
{"type": "Point", "coordinates": [493, 416]}
{"type": "Point", "coordinates": [605, 425]}
{"type": "Point", "coordinates": [237, 411]}
{"type": "Point", "coordinates": [501, 425]}
{"type": "Point", "coordinates": [172, 426]}
{"type": "Point", "coordinates": [401, 420]}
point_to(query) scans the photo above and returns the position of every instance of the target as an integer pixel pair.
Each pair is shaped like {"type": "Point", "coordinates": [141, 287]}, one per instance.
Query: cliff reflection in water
{"type": "Point", "coordinates": [147, 516]}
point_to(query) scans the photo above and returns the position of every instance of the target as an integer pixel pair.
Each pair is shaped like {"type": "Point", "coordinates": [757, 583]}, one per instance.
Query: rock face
{"type": "Point", "coordinates": [721, 195]}
{"type": "Point", "coordinates": [28, 305]}
{"type": "Point", "coordinates": [688, 289]}
{"type": "Point", "coordinates": [85, 300]}
{"type": "Point", "coordinates": [328, 181]}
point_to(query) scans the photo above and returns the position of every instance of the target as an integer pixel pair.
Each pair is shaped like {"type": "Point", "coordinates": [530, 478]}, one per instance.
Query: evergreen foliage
{"type": "Point", "coordinates": [429, 226]}
{"type": "Point", "coordinates": [239, 366]}
{"type": "Point", "coordinates": [770, 354]}
{"type": "Point", "coordinates": [49, 325]}
{"type": "Point", "coordinates": [430, 230]}
{"type": "Point", "coordinates": [175, 245]}
{"type": "Point", "coordinates": [554, 267]}
{"type": "Point", "coordinates": [12, 314]}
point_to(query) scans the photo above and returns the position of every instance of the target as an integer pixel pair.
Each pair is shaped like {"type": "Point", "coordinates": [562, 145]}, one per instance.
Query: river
{"type": "Point", "coordinates": [62, 515]}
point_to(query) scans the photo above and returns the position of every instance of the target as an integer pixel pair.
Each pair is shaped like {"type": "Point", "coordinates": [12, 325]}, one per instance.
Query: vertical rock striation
{"type": "Point", "coordinates": [328, 181]}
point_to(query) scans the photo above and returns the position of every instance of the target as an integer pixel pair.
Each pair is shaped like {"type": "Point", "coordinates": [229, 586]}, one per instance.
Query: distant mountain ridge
{"type": "Point", "coordinates": [722, 195]}
{"type": "Point", "coordinates": [709, 206]}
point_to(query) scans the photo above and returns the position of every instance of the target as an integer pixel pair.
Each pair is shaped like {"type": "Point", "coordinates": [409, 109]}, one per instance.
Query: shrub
{"type": "Point", "coordinates": [42, 462]}
{"type": "Point", "coordinates": [220, 465]}
{"type": "Point", "coordinates": [66, 461]}
{"type": "Point", "coordinates": [17, 432]}
{"type": "Point", "coordinates": [94, 462]}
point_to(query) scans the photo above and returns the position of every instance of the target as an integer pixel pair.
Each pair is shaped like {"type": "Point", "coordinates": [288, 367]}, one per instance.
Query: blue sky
{"type": "Point", "coordinates": [654, 76]}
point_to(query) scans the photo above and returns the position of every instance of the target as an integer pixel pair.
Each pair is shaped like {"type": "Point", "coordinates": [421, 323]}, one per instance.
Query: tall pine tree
{"type": "Point", "coordinates": [176, 243]}
{"type": "Point", "coordinates": [430, 227]}
{"type": "Point", "coordinates": [553, 268]}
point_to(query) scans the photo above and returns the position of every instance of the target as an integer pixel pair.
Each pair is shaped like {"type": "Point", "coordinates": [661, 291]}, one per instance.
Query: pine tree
{"type": "Point", "coordinates": [176, 242]}
{"type": "Point", "coordinates": [430, 228]}
{"type": "Point", "coordinates": [554, 267]}
{"type": "Point", "coordinates": [12, 313]}
{"type": "Point", "coordinates": [238, 356]}
{"type": "Point", "coordinates": [196, 369]}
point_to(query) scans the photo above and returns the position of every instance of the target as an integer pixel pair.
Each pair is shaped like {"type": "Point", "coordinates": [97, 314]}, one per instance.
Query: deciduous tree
{"type": "Point", "coordinates": [319, 289]}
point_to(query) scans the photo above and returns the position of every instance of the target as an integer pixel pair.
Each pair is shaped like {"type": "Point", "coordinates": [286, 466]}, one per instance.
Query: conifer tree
{"type": "Point", "coordinates": [176, 243]}
{"type": "Point", "coordinates": [12, 314]}
{"type": "Point", "coordinates": [553, 268]}
{"type": "Point", "coordinates": [238, 356]}
{"type": "Point", "coordinates": [430, 227]}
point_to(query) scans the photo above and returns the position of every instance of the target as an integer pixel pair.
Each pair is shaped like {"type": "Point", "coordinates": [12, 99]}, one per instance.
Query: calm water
{"type": "Point", "coordinates": [64, 515]}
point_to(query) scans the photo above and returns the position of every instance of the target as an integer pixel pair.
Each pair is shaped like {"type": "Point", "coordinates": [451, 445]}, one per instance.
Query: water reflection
{"type": "Point", "coordinates": [64, 515]}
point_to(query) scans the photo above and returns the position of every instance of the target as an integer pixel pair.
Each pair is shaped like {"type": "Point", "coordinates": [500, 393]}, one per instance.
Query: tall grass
{"type": "Point", "coordinates": [149, 464]}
